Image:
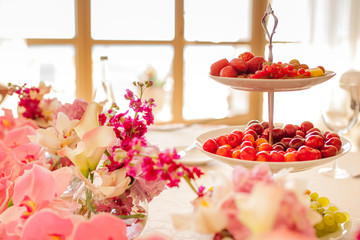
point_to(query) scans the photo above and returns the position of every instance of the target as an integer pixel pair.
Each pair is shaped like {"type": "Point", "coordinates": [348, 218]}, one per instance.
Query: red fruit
{"type": "Point", "coordinates": [255, 64]}
{"type": "Point", "coordinates": [306, 125]}
{"type": "Point", "coordinates": [239, 133]}
{"type": "Point", "coordinates": [223, 151]}
{"type": "Point", "coordinates": [228, 71]}
{"type": "Point", "coordinates": [233, 139]}
{"type": "Point", "coordinates": [248, 153]}
{"type": "Point", "coordinates": [257, 127]}
{"type": "Point", "coordinates": [259, 141]}
{"type": "Point", "coordinates": [252, 121]}
{"type": "Point", "coordinates": [262, 156]}
{"type": "Point", "coordinates": [276, 156]}
{"type": "Point", "coordinates": [289, 130]}
{"type": "Point", "coordinates": [314, 141]}
{"type": "Point", "coordinates": [330, 135]}
{"type": "Point", "coordinates": [296, 142]}
{"type": "Point", "coordinates": [278, 147]}
{"type": "Point", "coordinates": [246, 144]}
{"type": "Point", "coordinates": [246, 56]}
{"type": "Point", "coordinates": [265, 147]}
{"type": "Point", "coordinates": [216, 67]}
{"type": "Point", "coordinates": [314, 129]}
{"type": "Point", "coordinates": [265, 134]}
{"type": "Point", "coordinates": [236, 154]}
{"type": "Point", "coordinates": [300, 133]}
{"type": "Point", "coordinates": [291, 150]}
{"type": "Point", "coordinates": [307, 153]}
{"type": "Point", "coordinates": [249, 137]}
{"type": "Point", "coordinates": [221, 140]}
{"type": "Point", "coordinates": [286, 141]}
{"type": "Point", "coordinates": [278, 134]}
{"type": "Point", "coordinates": [265, 124]}
{"type": "Point", "coordinates": [252, 132]}
{"type": "Point", "coordinates": [239, 65]}
{"type": "Point", "coordinates": [335, 142]}
{"type": "Point", "coordinates": [291, 156]}
{"type": "Point", "coordinates": [328, 151]}
{"type": "Point", "coordinates": [210, 145]}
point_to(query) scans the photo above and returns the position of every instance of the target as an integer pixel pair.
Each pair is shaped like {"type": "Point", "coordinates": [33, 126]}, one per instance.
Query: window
{"type": "Point", "coordinates": [174, 40]}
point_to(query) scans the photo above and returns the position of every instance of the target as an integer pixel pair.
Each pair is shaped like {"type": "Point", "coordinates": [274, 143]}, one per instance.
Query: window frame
{"type": "Point", "coordinates": [83, 44]}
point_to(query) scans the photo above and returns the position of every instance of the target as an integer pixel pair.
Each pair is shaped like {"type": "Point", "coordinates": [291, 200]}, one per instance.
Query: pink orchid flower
{"type": "Point", "coordinates": [47, 225]}
{"type": "Point", "coordinates": [55, 138]}
{"type": "Point", "coordinates": [95, 140]}
{"type": "Point", "coordinates": [18, 136]}
{"type": "Point", "coordinates": [101, 226]}
{"type": "Point", "coordinates": [6, 192]}
{"type": "Point", "coordinates": [8, 122]}
{"type": "Point", "coordinates": [36, 189]}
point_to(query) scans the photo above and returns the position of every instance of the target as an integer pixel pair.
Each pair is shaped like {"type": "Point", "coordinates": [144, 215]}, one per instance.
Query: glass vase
{"type": "Point", "coordinates": [130, 206]}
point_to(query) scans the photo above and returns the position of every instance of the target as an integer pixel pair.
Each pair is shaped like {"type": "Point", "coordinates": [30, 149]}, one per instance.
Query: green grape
{"type": "Point", "coordinates": [324, 201]}
{"type": "Point", "coordinates": [314, 196]}
{"type": "Point", "coordinates": [320, 210]}
{"type": "Point", "coordinates": [329, 220]}
{"type": "Point", "coordinates": [314, 205]}
{"type": "Point", "coordinates": [319, 226]}
{"type": "Point", "coordinates": [328, 212]}
{"type": "Point", "coordinates": [331, 228]}
{"type": "Point", "coordinates": [346, 215]}
{"type": "Point", "coordinates": [333, 208]}
{"type": "Point", "coordinates": [340, 217]}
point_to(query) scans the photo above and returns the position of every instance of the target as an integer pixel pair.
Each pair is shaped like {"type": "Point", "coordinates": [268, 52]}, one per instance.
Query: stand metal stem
{"type": "Point", "coordinates": [271, 115]}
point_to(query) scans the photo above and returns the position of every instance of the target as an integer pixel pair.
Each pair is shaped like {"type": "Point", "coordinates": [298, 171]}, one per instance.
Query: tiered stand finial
{"type": "Point", "coordinates": [268, 12]}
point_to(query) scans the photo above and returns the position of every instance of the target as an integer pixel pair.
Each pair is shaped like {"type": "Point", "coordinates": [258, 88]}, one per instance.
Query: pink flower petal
{"type": "Point", "coordinates": [102, 226]}
{"type": "Point", "coordinates": [46, 224]}
{"type": "Point", "coordinates": [89, 120]}
{"type": "Point", "coordinates": [38, 184]}
{"type": "Point", "coordinates": [18, 136]}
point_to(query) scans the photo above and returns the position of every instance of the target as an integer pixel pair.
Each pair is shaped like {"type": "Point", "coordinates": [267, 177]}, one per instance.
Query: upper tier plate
{"type": "Point", "coordinates": [274, 166]}
{"type": "Point", "coordinates": [273, 85]}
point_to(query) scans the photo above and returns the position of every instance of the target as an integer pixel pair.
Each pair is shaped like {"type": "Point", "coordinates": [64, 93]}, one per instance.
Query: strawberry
{"type": "Point", "coordinates": [228, 71]}
{"type": "Point", "coordinates": [246, 56]}
{"type": "Point", "coordinates": [255, 64]}
{"type": "Point", "coordinates": [217, 66]}
{"type": "Point", "coordinates": [239, 65]}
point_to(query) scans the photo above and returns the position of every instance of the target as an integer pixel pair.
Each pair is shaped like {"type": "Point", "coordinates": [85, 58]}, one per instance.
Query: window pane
{"type": "Point", "coordinates": [54, 65]}
{"type": "Point", "coordinates": [211, 20]}
{"type": "Point", "coordinates": [204, 97]}
{"type": "Point", "coordinates": [130, 63]}
{"type": "Point", "coordinates": [37, 18]}
{"type": "Point", "coordinates": [132, 20]}
{"type": "Point", "coordinates": [293, 25]}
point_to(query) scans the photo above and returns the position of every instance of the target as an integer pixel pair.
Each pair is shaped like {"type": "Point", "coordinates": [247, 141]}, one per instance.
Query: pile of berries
{"type": "Point", "coordinates": [290, 143]}
{"type": "Point", "coordinates": [246, 65]}
{"type": "Point", "coordinates": [280, 70]}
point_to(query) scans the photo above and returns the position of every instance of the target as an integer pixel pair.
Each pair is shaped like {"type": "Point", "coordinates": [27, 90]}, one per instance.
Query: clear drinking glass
{"type": "Point", "coordinates": [339, 116]}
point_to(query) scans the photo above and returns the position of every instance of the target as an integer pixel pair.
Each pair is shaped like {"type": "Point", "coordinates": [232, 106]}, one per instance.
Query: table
{"type": "Point", "coordinates": [345, 193]}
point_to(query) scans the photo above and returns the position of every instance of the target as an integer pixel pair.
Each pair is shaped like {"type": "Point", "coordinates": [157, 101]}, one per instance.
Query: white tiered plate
{"type": "Point", "coordinates": [275, 85]}
{"type": "Point", "coordinates": [274, 166]}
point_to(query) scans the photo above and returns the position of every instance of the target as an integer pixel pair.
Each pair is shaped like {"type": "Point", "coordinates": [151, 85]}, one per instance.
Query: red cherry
{"type": "Point", "coordinates": [233, 139]}
{"type": "Point", "coordinates": [210, 145]}
{"type": "Point", "coordinates": [314, 141]}
{"type": "Point", "coordinates": [248, 153]}
{"type": "Point", "coordinates": [328, 151]}
{"type": "Point", "coordinates": [306, 125]}
{"type": "Point", "coordinates": [335, 142]}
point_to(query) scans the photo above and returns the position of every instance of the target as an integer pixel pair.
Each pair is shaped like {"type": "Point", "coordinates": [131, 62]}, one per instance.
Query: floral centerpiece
{"type": "Point", "coordinates": [85, 164]}
{"type": "Point", "coordinates": [252, 204]}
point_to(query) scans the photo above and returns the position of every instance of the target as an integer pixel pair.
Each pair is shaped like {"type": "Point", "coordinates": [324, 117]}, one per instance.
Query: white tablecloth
{"type": "Point", "coordinates": [345, 193]}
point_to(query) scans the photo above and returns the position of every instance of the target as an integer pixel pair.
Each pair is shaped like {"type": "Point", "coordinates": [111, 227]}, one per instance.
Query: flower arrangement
{"type": "Point", "coordinates": [115, 168]}
{"type": "Point", "coordinates": [253, 204]}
